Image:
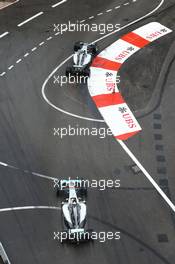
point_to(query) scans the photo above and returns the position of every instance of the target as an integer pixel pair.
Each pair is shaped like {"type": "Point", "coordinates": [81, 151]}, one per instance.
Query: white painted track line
{"type": "Point", "coordinates": [18, 61]}
{"type": "Point", "coordinates": [109, 10]}
{"type": "Point", "coordinates": [59, 3]}
{"type": "Point", "coordinates": [41, 43]}
{"type": "Point", "coordinates": [28, 208]}
{"type": "Point", "coordinates": [4, 34]}
{"type": "Point", "coordinates": [34, 49]}
{"type": "Point", "coordinates": [2, 74]}
{"type": "Point", "coordinates": [27, 54]}
{"type": "Point", "coordinates": [49, 38]}
{"type": "Point", "coordinates": [148, 176]}
{"type": "Point", "coordinates": [43, 176]}
{"type": "Point", "coordinates": [11, 67]}
{"type": "Point", "coordinates": [131, 23]}
{"type": "Point", "coordinates": [29, 19]}
{"type": "Point", "coordinates": [3, 164]}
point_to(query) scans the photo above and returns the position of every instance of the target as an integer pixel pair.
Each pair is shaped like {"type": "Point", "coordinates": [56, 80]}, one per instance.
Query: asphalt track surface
{"type": "Point", "coordinates": [29, 146]}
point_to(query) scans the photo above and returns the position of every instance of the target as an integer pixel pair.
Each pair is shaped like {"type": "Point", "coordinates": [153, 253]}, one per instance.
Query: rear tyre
{"type": "Point", "coordinates": [84, 187]}
{"type": "Point", "coordinates": [58, 192]}
{"type": "Point", "coordinates": [69, 71]}
{"type": "Point", "coordinates": [86, 72]}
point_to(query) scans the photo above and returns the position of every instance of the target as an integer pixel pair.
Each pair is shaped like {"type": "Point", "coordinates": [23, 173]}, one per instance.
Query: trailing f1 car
{"type": "Point", "coordinates": [74, 211]}
{"type": "Point", "coordinates": [82, 58]}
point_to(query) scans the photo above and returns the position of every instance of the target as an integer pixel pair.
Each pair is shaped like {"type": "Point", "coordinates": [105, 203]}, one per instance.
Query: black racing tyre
{"type": "Point", "coordinates": [78, 45]}
{"type": "Point", "coordinates": [86, 72]}
{"type": "Point", "coordinates": [84, 191]}
{"type": "Point", "coordinates": [58, 192]}
{"type": "Point", "coordinates": [93, 49]}
{"type": "Point", "coordinates": [69, 71]}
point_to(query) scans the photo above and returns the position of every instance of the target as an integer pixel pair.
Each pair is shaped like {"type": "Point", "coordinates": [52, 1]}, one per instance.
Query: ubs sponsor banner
{"type": "Point", "coordinates": [119, 52]}
{"type": "Point", "coordinates": [120, 120]}
{"type": "Point", "coordinates": [152, 31]}
{"type": "Point", "coordinates": [102, 83]}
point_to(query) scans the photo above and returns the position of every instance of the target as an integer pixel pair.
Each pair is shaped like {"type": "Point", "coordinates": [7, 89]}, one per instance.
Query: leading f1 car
{"type": "Point", "coordinates": [82, 58]}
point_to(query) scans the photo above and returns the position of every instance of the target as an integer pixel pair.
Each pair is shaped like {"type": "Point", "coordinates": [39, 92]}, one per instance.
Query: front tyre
{"type": "Point", "coordinates": [78, 45]}
{"type": "Point", "coordinates": [93, 49]}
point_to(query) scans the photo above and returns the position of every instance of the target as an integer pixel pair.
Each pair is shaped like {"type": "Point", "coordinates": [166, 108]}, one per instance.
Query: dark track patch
{"type": "Point", "coordinates": [162, 238]}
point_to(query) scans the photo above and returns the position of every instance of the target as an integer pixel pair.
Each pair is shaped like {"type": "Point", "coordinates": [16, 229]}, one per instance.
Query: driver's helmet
{"type": "Point", "coordinates": [84, 52]}
{"type": "Point", "coordinates": [74, 201]}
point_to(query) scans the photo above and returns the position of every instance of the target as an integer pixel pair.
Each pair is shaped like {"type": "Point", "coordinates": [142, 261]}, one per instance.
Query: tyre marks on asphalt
{"type": "Point", "coordinates": [27, 171]}
{"type": "Point", "coordinates": [143, 245]}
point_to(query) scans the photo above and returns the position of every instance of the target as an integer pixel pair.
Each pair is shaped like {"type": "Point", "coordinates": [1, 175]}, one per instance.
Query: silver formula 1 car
{"type": "Point", "coordinates": [82, 58]}
{"type": "Point", "coordinates": [74, 211]}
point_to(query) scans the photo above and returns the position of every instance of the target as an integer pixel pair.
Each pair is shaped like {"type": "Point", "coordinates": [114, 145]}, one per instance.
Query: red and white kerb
{"type": "Point", "coordinates": [102, 82]}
